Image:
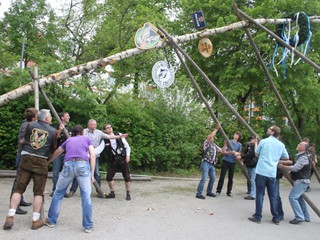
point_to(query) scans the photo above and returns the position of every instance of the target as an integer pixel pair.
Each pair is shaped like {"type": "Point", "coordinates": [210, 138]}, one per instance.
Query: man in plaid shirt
{"type": "Point", "coordinates": [209, 159]}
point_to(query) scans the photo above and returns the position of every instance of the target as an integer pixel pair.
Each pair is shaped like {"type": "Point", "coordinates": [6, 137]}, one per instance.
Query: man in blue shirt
{"type": "Point", "coordinates": [269, 152]}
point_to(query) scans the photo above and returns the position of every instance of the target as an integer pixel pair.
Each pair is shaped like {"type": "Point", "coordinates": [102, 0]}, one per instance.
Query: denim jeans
{"type": "Point", "coordinates": [252, 176]}
{"type": "Point", "coordinates": [226, 166]}
{"type": "Point", "coordinates": [56, 168]}
{"type": "Point", "coordinates": [206, 169]}
{"type": "Point", "coordinates": [278, 198]}
{"type": "Point", "coordinates": [74, 185]}
{"type": "Point", "coordinates": [97, 178]}
{"type": "Point", "coordinates": [80, 170]}
{"type": "Point", "coordinates": [297, 202]}
{"type": "Point", "coordinates": [261, 183]}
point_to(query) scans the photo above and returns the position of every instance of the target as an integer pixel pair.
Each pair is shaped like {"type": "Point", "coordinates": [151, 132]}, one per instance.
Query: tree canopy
{"type": "Point", "coordinates": [167, 126]}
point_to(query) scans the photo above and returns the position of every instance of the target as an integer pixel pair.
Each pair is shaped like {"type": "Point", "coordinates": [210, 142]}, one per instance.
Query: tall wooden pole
{"type": "Point", "coordinates": [272, 85]}
{"type": "Point", "coordinates": [176, 47]}
{"type": "Point", "coordinates": [209, 82]}
{"type": "Point", "coordinates": [215, 119]}
{"type": "Point", "coordinates": [306, 59]}
{"type": "Point", "coordinates": [36, 88]}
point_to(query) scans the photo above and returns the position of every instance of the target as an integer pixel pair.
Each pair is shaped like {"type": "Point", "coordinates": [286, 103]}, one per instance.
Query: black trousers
{"type": "Point", "coordinates": [226, 166]}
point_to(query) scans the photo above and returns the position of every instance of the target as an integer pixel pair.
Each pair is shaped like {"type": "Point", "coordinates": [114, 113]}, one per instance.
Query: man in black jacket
{"type": "Point", "coordinates": [40, 140]}
{"type": "Point", "coordinates": [250, 160]}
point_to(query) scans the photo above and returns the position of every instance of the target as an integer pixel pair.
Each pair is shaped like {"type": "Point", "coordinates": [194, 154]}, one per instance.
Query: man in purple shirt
{"type": "Point", "coordinates": [79, 162]}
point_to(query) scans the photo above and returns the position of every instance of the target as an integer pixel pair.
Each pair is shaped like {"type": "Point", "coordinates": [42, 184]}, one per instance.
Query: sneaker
{"type": "Point", "coordinates": [110, 195]}
{"type": "Point", "coordinates": [128, 197]}
{"type": "Point", "coordinates": [254, 219]}
{"type": "Point", "coordinates": [50, 225]}
{"type": "Point", "coordinates": [20, 211]}
{"type": "Point", "coordinates": [88, 230]}
{"type": "Point", "coordinates": [230, 194]}
{"type": "Point", "coordinates": [9, 223]}
{"type": "Point", "coordinates": [249, 198]}
{"type": "Point", "coordinates": [295, 221]}
{"type": "Point", "coordinates": [200, 196]}
{"type": "Point", "coordinates": [211, 195]}
{"type": "Point", "coordinates": [37, 224]}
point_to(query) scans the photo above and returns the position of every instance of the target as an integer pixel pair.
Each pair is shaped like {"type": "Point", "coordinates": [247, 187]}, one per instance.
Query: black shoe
{"type": "Point", "coordinates": [200, 196]}
{"type": "Point", "coordinates": [24, 204]}
{"type": "Point", "coordinates": [249, 198]}
{"type": "Point", "coordinates": [211, 195]}
{"type": "Point", "coordinates": [217, 193]}
{"type": "Point", "coordinates": [128, 197]}
{"type": "Point", "coordinates": [295, 221]}
{"type": "Point", "coordinates": [111, 195]}
{"type": "Point", "coordinates": [229, 194]}
{"type": "Point", "coordinates": [276, 222]}
{"type": "Point", "coordinates": [20, 211]}
{"type": "Point", "coordinates": [254, 219]}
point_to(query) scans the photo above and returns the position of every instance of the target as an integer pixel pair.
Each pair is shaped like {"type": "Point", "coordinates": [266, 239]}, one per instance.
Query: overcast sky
{"type": "Point", "coordinates": [5, 4]}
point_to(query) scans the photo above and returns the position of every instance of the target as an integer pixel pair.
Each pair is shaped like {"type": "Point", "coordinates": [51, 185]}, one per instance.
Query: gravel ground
{"type": "Point", "coordinates": [163, 209]}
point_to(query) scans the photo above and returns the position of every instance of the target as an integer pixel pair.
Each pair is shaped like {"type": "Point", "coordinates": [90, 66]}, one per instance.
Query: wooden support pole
{"type": "Point", "coordinates": [272, 85]}
{"type": "Point", "coordinates": [209, 82]}
{"type": "Point", "coordinates": [306, 59]}
{"type": "Point", "coordinates": [255, 48]}
{"type": "Point", "coordinates": [265, 69]}
{"type": "Point", "coordinates": [54, 112]}
{"type": "Point", "coordinates": [36, 88]}
{"type": "Point", "coordinates": [215, 119]}
{"type": "Point", "coordinates": [177, 48]}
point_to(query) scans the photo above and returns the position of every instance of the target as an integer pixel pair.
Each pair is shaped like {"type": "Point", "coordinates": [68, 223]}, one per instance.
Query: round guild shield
{"type": "Point", "coordinates": [205, 47]}
{"type": "Point", "coordinates": [163, 74]}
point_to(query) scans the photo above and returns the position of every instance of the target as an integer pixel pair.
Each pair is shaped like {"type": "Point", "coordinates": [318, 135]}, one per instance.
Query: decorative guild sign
{"type": "Point", "coordinates": [147, 37]}
{"type": "Point", "coordinates": [163, 74]}
{"type": "Point", "coordinates": [198, 20]}
{"type": "Point", "coordinates": [205, 47]}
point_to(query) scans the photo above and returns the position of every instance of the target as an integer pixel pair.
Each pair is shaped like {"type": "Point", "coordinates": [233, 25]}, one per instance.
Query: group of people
{"type": "Point", "coordinates": [78, 156]}
{"type": "Point", "coordinates": [76, 160]}
{"type": "Point", "coordinates": [266, 161]}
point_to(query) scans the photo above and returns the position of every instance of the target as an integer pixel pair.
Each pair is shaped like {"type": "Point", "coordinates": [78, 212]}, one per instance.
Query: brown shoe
{"type": "Point", "coordinates": [9, 223]}
{"type": "Point", "coordinates": [37, 224]}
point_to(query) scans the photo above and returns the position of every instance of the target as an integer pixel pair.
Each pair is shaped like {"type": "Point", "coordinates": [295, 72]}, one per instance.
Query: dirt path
{"type": "Point", "coordinates": [163, 209]}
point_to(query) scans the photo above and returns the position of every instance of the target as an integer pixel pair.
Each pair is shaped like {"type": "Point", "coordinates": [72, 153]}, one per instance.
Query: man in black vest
{"type": "Point", "coordinates": [40, 140]}
{"type": "Point", "coordinates": [118, 153]}
{"type": "Point", "coordinates": [300, 174]}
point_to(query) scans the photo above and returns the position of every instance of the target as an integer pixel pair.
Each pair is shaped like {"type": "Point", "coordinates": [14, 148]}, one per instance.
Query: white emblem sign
{"type": "Point", "coordinates": [163, 74]}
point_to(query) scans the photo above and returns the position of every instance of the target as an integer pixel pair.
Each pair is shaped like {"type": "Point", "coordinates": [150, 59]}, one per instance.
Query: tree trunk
{"type": "Point", "coordinates": [86, 67]}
